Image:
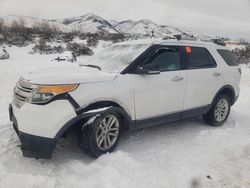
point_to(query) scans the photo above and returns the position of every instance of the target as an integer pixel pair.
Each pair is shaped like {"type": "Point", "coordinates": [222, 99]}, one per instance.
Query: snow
{"type": "Point", "coordinates": [97, 110]}
{"type": "Point", "coordinates": [236, 46]}
{"type": "Point", "coordinates": [177, 155]}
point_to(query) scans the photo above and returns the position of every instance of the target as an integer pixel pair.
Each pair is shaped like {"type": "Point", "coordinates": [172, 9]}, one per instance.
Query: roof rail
{"type": "Point", "coordinates": [220, 42]}
{"type": "Point", "coordinates": [179, 37]}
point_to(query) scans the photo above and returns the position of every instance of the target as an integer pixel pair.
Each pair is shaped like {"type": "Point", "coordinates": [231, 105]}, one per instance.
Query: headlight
{"type": "Point", "coordinates": [44, 93]}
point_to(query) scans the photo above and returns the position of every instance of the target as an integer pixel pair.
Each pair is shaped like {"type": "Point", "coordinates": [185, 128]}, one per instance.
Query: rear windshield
{"type": "Point", "coordinates": [229, 57]}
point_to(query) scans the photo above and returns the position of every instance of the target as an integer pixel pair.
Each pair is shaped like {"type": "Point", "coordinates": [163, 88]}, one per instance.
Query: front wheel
{"type": "Point", "coordinates": [102, 134]}
{"type": "Point", "coordinates": [219, 111]}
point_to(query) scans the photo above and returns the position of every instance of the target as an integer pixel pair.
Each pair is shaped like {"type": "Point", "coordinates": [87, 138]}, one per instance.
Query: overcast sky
{"type": "Point", "coordinates": [218, 17]}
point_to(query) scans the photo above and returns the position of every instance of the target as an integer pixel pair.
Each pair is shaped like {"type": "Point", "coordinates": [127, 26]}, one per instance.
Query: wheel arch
{"type": "Point", "coordinates": [89, 111]}
{"type": "Point", "coordinates": [228, 90]}
{"type": "Point", "coordinates": [115, 106]}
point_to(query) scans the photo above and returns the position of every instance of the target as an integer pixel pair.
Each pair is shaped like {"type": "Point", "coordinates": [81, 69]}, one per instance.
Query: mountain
{"type": "Point", "coordinates": [89, 23]}
{"type": "Point", "coordinates": [92, 23]}
{"type": "Point", "coordinates": [145, 27]}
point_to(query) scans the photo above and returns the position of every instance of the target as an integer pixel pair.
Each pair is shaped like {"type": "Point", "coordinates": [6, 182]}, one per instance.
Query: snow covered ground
{"type": "Point", "coordinates": [182, 155]}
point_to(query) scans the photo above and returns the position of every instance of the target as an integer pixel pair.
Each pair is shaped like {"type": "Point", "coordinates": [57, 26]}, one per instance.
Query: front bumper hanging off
{"type": "Point", "coordinates": [33, 146]}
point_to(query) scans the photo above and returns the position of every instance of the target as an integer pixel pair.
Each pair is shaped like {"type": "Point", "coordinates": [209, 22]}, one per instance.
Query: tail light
{"type": "Point", "coordinates": [239, 70]}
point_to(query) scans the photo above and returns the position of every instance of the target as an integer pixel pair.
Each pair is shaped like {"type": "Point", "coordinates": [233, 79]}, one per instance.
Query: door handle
{"type": "Point", "coordinates": [216, 74]}
{"type": "Point", "coordinates": [177, 79]}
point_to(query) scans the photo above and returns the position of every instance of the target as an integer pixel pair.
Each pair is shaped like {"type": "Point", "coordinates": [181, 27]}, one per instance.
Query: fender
{"type": "Point", "coordinates": [126, 119]}
{"type": "Point", "coordinates": [229, 90]}
{"type": "Point", "coordinates": [101, 103]}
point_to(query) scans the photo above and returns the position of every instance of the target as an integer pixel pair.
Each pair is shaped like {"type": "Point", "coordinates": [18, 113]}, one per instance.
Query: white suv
{"type": "Point", "coordinates": [124, 87]}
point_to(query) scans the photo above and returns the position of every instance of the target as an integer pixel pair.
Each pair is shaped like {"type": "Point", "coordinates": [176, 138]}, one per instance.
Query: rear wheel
{"type": "Point", "coordinates": [101, 135]}
{"type": "Point", "coordinates": [219, 111]}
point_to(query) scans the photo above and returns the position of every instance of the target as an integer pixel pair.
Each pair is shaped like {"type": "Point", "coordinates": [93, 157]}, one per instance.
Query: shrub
{"type": "Point", "coordinates": [79, 49]}
{"type": "Point", "coordinates": [2, 25]}
{"type": "Point", "coordinates": [92, 41]}
{"type": "Point", "coordinates": [2, 38]}
{"type": "Point", "coordinates": [18, 27]}
{"type": "Point", "coordinates": [16, 33]}
{"type": "Point", "coordinates": [67, 37]}
{"type": "Point", "coordinates": [43, 48]}
{"type": "Point", "coordinates": [46, 30]}
{"type": "Point", "coordinates": [58, 49]}
{"type": "Point", "coordinates": [17, 40]}
{"type": "Point", "coordinates": [243, 54]}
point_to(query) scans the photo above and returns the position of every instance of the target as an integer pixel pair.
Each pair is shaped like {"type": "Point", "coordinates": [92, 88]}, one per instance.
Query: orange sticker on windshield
{"type": "Point", "coordinates": [188, 50]}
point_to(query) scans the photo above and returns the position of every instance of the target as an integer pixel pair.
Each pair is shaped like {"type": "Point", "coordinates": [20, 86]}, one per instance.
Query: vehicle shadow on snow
{"type": "Point", "coordinates": [139, 140]}
{"type": "Point", "coordinates": [134, 142]}
{"type": "Point", "coordinates": [186, 128]}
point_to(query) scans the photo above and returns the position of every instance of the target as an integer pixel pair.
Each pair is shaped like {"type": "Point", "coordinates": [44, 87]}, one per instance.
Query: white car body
{"type": "Point", "coordinates": [140, 96]}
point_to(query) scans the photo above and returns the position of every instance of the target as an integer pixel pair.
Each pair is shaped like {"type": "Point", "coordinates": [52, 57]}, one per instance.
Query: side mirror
{"type": "Point", "coordinates": [147, 69]}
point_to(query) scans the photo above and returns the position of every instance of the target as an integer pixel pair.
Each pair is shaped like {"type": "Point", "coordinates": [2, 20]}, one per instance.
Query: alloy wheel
{"type": "Point", "coordinates": [107, 132]}
{"type": "Point", "coordinates": [221, 110]}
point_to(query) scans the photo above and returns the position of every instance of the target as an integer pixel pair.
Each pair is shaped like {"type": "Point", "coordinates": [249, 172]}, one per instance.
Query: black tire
{"type": "Point", "coordinates": [88, 137]}
{"type": "Point", "coordinates": [211, 118]}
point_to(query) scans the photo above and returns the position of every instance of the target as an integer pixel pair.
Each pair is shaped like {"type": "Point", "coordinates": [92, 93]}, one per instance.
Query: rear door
{"type": "Point", "coordinates": [204, 77]}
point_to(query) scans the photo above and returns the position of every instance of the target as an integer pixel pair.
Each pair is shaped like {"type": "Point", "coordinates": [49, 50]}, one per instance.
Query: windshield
{"type": "Point", "coordinates": [116, 58]}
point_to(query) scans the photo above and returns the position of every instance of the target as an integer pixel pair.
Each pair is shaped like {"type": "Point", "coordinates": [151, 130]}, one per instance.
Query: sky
{"type": "Point", "coordinates": [216, 17]}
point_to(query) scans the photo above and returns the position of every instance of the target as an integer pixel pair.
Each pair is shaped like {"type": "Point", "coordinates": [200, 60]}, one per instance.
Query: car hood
{"type": "Point", "coordinates": [68, 75]}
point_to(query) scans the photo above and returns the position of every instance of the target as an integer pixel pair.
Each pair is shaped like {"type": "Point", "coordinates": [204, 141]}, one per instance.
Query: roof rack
{"type": "Point", "coordinates": [185, 36]}
{"type": "Point", "coordinates": [220, 42]}
{"type": "Point", "coordinates": [179, 37]}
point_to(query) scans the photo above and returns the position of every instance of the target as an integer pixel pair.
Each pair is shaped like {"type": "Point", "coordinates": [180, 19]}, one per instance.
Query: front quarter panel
{"type": "Point", "coordinates": [119, 91]}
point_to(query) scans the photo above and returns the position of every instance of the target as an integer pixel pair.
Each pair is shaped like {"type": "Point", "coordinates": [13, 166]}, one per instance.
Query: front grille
{"type": "Point", "coordinates": [22, 92]}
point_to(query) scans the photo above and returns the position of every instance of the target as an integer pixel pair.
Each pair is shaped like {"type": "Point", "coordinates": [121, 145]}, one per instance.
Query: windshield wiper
{"type": "Point", "coordinates": [93, 66]}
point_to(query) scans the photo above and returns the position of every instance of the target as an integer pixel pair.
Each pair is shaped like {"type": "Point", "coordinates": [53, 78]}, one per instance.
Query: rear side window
{"type": "Point", "coordinates": [197, 57]}
{"type": "Point", "coordinates": [229, 57]}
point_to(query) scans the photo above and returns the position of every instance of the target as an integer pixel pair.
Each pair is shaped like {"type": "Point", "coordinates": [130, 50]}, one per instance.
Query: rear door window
{"type": "Point", "coordinates": [198, 57]}
{"type": "Point", "coordinates": [228, 57]}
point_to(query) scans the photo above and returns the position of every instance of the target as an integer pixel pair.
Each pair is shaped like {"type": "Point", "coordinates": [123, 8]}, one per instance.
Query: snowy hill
{"type": "Point", "coordinates": [30, 21]}
{"type": "Point", "coordinates": [145, 27]}
{"type": "Point", "coordinates": [92, 23]}
{"type": "Point", "coordinates": [89, 23]}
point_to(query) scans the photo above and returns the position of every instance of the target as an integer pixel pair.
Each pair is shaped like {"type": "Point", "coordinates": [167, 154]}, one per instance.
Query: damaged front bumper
{"type": "Point", "coordinates": [33, 146]}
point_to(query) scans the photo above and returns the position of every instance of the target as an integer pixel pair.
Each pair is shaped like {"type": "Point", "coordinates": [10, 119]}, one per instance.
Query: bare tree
{"type": "Point", "coordinates": [54, 29]}
{"type": "Point", "coordinates": [1, 25]}
{"type": "Point", "coordinates": [46, 30]}
{"type": "Point", "coordinates": [18, 26]}
{"type": "Point", "coordinates": [45, 27]}
{"type": "Point", "coordinates": [42, 27]}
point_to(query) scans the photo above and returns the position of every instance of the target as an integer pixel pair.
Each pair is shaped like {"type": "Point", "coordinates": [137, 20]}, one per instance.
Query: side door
{"type": "Point", "coordinates": [159, 93]}
{"type": "Point", "coordinates": [204, 79]}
